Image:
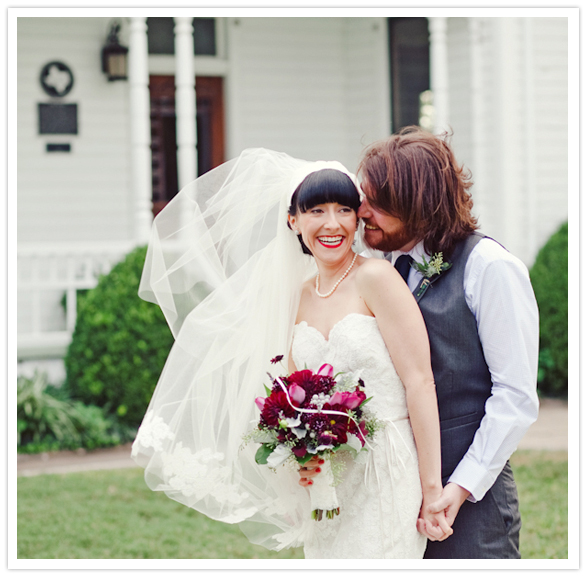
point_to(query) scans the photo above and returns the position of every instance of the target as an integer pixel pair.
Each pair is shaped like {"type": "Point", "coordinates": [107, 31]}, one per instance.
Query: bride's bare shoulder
{"type": "Point", "coordinates": [307, 288]}
{"type": "Point", "coordinates": [308, 285]}
{"type": "Point", "coordinates": [374, 270]}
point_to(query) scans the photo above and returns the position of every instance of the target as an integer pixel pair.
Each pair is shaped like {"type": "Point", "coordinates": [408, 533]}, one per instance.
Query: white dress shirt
{"type": "Point", "coordinates": [499, 294]}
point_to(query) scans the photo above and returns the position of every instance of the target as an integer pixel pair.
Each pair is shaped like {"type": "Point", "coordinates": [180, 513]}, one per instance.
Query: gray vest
{"type": "Point", "coordinates": [463, 381]}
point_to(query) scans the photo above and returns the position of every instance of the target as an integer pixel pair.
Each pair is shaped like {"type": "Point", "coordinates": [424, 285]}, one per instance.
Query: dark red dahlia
{"type": "Point", "coordinates": [276, 406]}
{"type": "Point", "coordinates": [310, 382]}
{"type": "Point", "coordinates": [337, 424]}
{"type": "Point", "coordinates": [318, 422]}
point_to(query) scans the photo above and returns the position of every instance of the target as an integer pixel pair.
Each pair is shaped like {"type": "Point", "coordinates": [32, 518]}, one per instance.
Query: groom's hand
{"type": "Point", "coordinates": [450, 502]}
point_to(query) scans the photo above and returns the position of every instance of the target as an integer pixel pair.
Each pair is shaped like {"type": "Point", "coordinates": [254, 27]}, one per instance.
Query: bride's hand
{"type": "Point", "coordinates": [309, 470]}
{"type": "Point", "coordinates": [449, 504]}
{"type": "Point", "coordinates": [431, 523]}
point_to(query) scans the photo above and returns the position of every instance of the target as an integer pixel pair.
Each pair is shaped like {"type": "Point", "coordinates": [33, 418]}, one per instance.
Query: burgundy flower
{"type": "Point", "coordinates": [316, 422]}
{"type": "Point", "coordinates": [275, 407]}
{"type": "Point", "coordinates": [338, 427]}
{"type": "Point", "coordinates": [299, 451]}
{"type": "Point", "coordinates": [310, 382]}
{"type": "Point", "coordinates": [337, 424]}
{"type": "Point", "coordinates": [276, 359]}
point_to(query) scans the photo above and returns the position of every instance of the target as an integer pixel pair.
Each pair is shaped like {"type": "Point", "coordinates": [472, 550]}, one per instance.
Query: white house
{"type": "Point", "coordinates": [96, 157]}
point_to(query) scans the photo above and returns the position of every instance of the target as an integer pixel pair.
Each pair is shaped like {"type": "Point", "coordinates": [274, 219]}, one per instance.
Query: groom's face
{"type": "Point", "coordinates": [383, 231]}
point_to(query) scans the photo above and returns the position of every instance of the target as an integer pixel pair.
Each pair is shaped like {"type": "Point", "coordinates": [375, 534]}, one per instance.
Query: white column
{"type": "Point", "coordinates": [439, 72]}
{"type": "Point", "coordinates": [185, 101]}
{"type": "Point", "coordinates": [140, 129]}
{"type": "Point", "coordinates": [531, 247]}
{"type": "Point", "coordinates": [478, 120]}
{"type": "Point", "coordinates": [506, 55]}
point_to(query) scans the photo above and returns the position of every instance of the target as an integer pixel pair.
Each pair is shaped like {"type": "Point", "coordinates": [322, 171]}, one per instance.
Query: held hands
{"type": "Point", "coordinates": [447, 506]}
{"type": "Point", "coordinates": [309, 470]}
{"type": "Point", "coordinates": [432, 521]}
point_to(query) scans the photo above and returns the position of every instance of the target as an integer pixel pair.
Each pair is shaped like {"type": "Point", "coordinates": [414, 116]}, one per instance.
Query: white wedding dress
{"type": "Point", "coordinates": [380, 493]}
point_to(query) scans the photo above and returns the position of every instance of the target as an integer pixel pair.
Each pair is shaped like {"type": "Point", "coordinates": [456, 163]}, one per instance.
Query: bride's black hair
{"type": "Point", "coordinates": [323, 187]}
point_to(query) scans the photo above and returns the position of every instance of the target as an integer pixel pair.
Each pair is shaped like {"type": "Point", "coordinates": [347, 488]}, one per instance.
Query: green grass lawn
{"type": "Point", "coordinates": [112, 514]}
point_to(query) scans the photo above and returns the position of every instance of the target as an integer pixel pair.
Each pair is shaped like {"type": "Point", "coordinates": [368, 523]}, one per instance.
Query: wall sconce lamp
{"type": "Point", "coordinates": [115, 56]}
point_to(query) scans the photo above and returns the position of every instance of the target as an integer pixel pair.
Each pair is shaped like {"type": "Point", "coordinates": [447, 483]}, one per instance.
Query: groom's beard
{"type": "Point", "coordinates": [387, 241]}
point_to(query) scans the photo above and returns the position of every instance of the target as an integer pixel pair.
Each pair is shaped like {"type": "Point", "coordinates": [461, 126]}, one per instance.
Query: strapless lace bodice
{"type": "Point", "coordinates": [354, 345]}
{"type": "Point", "coordinates": [380, 494]}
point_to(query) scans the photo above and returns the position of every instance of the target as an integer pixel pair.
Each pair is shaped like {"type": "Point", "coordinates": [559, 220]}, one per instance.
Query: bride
{"type": "Point", "coordinates": [253, 260]}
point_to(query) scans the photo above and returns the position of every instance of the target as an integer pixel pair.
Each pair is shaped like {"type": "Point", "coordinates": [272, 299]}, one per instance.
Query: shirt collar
{"type": "Point", "coordinates": [416, 253]}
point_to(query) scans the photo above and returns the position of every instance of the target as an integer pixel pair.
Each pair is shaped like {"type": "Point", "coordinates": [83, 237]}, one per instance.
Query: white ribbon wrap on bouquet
{"type": "Point", "coordinates": [322, 491]}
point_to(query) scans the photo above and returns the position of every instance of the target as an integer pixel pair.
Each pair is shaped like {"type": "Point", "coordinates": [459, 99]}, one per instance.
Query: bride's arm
{"type": "Point", "coordinates": [404, 332]}
{"type": "Point", "coordinates": [291, 367]}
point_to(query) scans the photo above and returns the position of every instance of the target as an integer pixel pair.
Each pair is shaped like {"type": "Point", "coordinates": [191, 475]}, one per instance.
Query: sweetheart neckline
{"type": "Point", "coordinates": [327, 338]}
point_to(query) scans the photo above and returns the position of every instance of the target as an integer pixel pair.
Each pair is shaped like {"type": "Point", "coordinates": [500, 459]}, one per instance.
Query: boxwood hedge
{"type": "Point", "coordinates": [549, 277]}
{"type": "Point", "coordinates": [119, 345]}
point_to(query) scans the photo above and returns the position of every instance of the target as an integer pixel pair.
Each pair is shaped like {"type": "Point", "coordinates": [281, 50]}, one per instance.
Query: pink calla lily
{"type": "Point", "coordinates": [325, 370]}
{"type": "Point", "coordinates": [260, 402]}
{"type": "Point", "coordinates": [297, 393]}
{"type": "Point", "coordinates": [349, 400]}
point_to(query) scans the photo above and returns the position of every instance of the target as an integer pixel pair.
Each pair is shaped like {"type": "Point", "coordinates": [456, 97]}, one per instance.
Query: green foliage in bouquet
{"type": "Point", "coordinates": [549, 277]}
{"type": "Point", "coordinates": [48, 420]}
{"type": "Point", "coordinates": [119, 345]}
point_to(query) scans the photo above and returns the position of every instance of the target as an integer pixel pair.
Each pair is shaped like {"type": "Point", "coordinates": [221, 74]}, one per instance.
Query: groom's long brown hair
{"type": "Point", "coordinates": [414, 176]}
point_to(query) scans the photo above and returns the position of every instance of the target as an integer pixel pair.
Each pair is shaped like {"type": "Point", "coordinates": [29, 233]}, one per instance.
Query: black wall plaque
{"type": "Point", "coordinates": [58, 148]}
{"type": "Point", "coordinates": [56, 79]}
{"type": "Point", "coordinates": [57, 118]}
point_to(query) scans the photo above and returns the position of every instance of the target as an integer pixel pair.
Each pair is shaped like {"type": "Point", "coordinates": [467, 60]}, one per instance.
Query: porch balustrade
{"type": "Point", "coordinates": [49, 277]}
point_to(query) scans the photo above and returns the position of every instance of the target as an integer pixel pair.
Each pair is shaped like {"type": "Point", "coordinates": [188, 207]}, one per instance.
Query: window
{"type": "Point", "coordinates": [160, 36]}
{"type": "Point", "coordinates": [409, 57]}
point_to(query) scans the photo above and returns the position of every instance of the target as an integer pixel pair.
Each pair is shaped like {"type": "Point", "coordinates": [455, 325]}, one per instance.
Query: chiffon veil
{"type": "Point", "coordinates": [227, 272]}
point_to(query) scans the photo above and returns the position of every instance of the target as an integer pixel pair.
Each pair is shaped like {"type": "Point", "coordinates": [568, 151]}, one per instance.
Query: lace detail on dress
{"type": "Point", "coordinates": [380, 494]}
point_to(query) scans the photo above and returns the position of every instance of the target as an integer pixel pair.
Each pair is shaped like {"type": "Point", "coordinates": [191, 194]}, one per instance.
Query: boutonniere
{"type": "Point", "coordinates": [430, 268]}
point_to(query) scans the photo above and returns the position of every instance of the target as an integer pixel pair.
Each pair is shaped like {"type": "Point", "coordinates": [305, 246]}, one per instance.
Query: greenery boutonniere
{"type": "Point", "coordinates": [429, 268]}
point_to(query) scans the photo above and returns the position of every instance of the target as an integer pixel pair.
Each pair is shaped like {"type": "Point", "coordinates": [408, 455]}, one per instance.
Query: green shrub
{"type": "Point", "coordinates": [47, 420]}
{"type": "Point", "coordinates": [41, 415]}
{"type": "Point", "coordinates": [119, 345]}
{"type": "Point", "coordinates": [549, 277]}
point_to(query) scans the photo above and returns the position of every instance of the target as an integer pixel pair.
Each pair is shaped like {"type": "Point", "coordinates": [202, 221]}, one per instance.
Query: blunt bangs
{"type": "Point", "coordinates": [325, 187]}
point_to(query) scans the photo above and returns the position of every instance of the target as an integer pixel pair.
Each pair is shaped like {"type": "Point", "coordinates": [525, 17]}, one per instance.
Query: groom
{"type": "Point", "coordinates": [482, 322]}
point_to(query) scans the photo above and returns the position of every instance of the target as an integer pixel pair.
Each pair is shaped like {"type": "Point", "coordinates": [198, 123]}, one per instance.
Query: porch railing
{"type": "Point", "coordinates": [48, 279]}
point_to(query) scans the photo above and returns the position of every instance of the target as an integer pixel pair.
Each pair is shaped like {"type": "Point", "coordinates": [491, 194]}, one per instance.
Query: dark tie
{"type": "Point", "coordinates": [403, 264]}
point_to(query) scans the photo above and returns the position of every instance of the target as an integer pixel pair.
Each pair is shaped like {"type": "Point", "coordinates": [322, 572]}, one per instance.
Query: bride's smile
{"type": "Point", "coordinates": [331, 241]}
{"type": "Point", "coordinates": [328, 230]}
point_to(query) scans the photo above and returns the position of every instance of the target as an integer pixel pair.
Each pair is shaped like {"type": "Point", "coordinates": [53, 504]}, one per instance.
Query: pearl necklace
{"type": "Point", "coordinates": [337, 283]}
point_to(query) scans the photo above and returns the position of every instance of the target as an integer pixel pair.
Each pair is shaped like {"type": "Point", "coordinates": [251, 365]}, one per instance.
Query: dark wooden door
{"type": "Point", "coordinates": [210, 132]}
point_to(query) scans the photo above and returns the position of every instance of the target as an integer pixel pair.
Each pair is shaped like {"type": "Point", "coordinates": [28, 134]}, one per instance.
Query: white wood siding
{"type": "Point", "coordinates": [289, 80]}
{"type": "Point", "coordinates": [512, 132]}
{"type": "Point", "coordinates": [550, 89]}
{"type": "Point", "coordinates": [367, 91]}
{"type": "Point", "coordinates": [459, 74]}
{"type": "Point", "coordinates": [83, 195]}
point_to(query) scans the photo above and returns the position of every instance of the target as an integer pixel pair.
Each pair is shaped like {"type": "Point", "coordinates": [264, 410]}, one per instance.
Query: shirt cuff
{"type": "Point", "coordinates": [472, 477]}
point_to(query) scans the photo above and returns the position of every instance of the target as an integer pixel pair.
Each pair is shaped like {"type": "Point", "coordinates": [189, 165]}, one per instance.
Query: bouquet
{"type": "Point", "coordinates": [308, 414]}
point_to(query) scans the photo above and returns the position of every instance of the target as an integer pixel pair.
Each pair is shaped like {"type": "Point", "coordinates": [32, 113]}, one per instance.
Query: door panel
{"type": "Point", "coordinates": [210, 133]}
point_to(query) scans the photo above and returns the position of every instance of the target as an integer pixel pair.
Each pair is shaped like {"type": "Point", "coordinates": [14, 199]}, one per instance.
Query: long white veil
{"type": "Point", "coordinates": [227, 272]}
